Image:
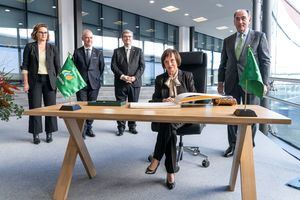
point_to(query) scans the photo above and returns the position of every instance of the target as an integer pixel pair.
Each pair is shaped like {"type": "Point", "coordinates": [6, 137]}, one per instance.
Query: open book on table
{"type": "Point", "coordinates": [179, 99]}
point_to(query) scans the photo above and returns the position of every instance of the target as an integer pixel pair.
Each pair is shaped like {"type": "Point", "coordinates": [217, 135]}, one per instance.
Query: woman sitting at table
{"type": "Point", "coordinates": [167, 86]}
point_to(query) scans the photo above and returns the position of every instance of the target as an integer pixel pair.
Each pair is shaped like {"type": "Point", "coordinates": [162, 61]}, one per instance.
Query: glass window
{"type": "Point", "coordinates": [129, 22]}
{"type": "Point", "coordinates": [111, 18]}
{"type": "Point", "coordinates": [33, 19]}
{"type": "Point", "coordinates": [160, 30]}
{"type": "Point", "coordinates": [91, 13]}
{"type": "Point", "coordinates": [146, 27]}
{"type": "Point", "coordinates": [46, 7]}
{"type": "Point", "coordinates": [12, 36]}
{"type": "Point", "coordinates": [15, 4]}
{"type": "Point", "coordinates": [172, 33]}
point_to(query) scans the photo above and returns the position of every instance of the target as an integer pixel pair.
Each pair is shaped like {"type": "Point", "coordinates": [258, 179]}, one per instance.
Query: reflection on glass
{"type": "Point", "coordinates": [290, 133]}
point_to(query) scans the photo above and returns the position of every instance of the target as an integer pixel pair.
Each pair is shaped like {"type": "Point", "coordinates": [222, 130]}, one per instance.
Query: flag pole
{"type": "Point", "coordinates": [245, 96]}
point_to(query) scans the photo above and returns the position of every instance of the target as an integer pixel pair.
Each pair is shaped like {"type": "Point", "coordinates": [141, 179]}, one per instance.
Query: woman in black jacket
{"type": "Point", "coordinates": [40, 68]}
{"type": "Point", "coordinates": [167, 86]}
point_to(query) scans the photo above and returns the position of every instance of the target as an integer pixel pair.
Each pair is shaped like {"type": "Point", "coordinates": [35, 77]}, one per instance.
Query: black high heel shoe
{"type": "Point", "coordinates": [49, 137]}
{"type": "Point", "coordinates": [149, 171]}
{"type": "Point", "coordinates": [170, 186]}
{"type": "Point", "coordinates": [36, 139]}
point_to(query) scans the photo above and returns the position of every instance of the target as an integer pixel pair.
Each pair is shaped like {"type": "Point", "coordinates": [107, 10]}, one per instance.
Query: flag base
{"type": "Point", "coordinates": [244, 113]}
{"type": "Point", "coordinates": [70, 107]}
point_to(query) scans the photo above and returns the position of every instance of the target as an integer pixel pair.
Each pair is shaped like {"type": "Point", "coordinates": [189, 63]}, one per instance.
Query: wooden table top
{"type": "Point", "coordinates": [207, 114]}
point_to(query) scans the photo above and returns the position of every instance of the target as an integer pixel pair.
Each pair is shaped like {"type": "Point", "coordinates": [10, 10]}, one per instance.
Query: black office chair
{"type": "Point", "coordinates": [195, 62]}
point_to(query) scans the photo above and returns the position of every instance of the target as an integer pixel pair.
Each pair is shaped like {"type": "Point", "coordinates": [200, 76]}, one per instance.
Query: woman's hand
{"type": "Point", "coordinates": [169, 99]}
{"type": "Point", "coordinates": [26, 87]}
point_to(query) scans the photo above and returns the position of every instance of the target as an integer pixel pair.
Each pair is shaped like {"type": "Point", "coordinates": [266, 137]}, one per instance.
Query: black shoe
{"type": "Point", "coordinates": [120, 132]}
{"type": "Point", "coordinates": [149, 171]}
{"type": "Point", "coordinates": [36, 139]}
{"type": "Point", "coordinates": [133, 131]}
{"type": "Point", "coordinates": [229, 152]}
{"type": "Point", "coordinates": [170, 186]}
{"type": "Point", "coordinates": [83, 135]}
{"type": "Point", "coordinates": [49, 137]}
{"type": "Point", "coordinates": [89, 132]}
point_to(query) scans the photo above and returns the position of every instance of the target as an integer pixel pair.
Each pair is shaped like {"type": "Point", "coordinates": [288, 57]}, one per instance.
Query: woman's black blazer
{"type": "Point", "coordinates": [31, 63]}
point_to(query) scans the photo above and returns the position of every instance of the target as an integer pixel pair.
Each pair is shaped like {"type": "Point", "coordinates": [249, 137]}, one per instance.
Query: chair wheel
{"type": "Point", "coordinates": [205, 163]}
{"type": "Point", "coordinates": [150, 157]}
{"type": "Point", "coordinates": [196, 152]}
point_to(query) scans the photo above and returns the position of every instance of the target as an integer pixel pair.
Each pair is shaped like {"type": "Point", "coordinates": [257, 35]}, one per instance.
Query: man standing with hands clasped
{"type": "Point", "coordinates": [128, 67]}
{"type": "Point", "coordinates": [90, 64]}
{"type": "Point", "coordinates": [233, 61]}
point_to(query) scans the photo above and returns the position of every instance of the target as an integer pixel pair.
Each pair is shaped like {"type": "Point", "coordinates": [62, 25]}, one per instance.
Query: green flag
{"type": "Point", "coordinates": [69, 79]}
{"type": "Point", "coordinates": [251, 79]}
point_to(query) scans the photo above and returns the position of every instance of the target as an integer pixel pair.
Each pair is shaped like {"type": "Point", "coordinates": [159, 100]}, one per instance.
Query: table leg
{"type": "Point", "coordinates": [75, 146]}
{"type": "Point", "coordinates": [243, 157]}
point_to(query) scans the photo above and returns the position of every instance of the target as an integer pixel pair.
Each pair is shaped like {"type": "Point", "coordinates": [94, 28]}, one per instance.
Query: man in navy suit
{"type": "Point", "coordinates": [233, 61]}
{"type": "Point", "coordinates": [128, 67]}
{"type": "Point", "coordinates": [90, 63]}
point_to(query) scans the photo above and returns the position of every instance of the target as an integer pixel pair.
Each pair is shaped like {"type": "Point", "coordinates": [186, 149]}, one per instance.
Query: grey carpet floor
{"type": "Point", "coordinates": [29, 171]}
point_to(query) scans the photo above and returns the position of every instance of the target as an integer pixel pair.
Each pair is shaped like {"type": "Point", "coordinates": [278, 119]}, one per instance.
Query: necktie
{"type": "Point", "coordinates": [239, 46]}
{"type": "Point", "coordinates": [88, 55]}
{"type": "Point", "coordinates": [127, 55]}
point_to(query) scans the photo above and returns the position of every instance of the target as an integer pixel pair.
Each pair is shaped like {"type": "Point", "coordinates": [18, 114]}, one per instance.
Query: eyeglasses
{"type": "Point", "coordinates": [42, 33]}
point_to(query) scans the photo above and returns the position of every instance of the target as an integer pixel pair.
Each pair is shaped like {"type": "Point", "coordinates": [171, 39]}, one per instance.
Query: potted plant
{"type": "Point", "coordinates": [7, 106]}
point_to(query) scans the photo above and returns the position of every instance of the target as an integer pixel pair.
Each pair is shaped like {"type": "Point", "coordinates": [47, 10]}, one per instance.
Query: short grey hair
{"type": "Point", "coordinates": [239, 10]}
{"type": "Point", "coordinates": [127, 31]}
{"type": "Point", "coordinates": [85, 31]}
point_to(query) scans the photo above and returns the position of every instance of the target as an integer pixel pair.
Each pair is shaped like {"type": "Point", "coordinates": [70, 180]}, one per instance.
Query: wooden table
{"type": "Point", "coordinates": [243, 156]}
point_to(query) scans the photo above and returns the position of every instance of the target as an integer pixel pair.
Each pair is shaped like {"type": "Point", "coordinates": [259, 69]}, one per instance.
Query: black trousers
{"type": "Point", "coordinates": [87, 94]}
{"type": "Point", "coordinates": [166, 145]}
{"type": "Point", "coordinates": [121, 94]}
{"type": "Point", "coordinates": [41, 89]}
{"type": "Point", "coordinates": [232, 129]}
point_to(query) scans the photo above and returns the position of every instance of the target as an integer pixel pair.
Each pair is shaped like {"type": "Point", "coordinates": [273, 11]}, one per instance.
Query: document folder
{"type": "Point", "coordinates": [106, 103]}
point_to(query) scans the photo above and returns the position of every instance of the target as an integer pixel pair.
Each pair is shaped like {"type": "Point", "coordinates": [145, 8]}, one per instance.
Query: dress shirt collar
{"type": "Point", "coordinates": [85, 48]}
{"type": "Point", "coordinates": [245, 33]}
{"type": "Point", "coordinates": [128, 47]}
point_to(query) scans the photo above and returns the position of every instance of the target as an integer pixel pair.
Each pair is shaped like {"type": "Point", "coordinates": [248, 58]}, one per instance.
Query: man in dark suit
{"type": "Point", "coordinates": [233, 61]}
{"type": "Point", "coordinates": [90, 63]}
{"type": "Point", "coordinates": [128, 67]}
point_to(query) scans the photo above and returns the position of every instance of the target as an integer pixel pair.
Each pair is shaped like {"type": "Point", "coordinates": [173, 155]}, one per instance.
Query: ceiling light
{"type": "Point", "coordinates": [119, 23]}
{"type": "Point", "coordinates": [20, 23]}
{"type": "Point", "coordinates": [200, 19]}
{"type": "Point", "coordinates": [222, 27]}
{"type": "Point", "coordinates": [84, 13]}
{"type": "Point", "coordinates": [186, 14]}
{"type": "Point", "coordinates": [53, 7]}
{"type": "Point", "coordinates": [7, 10]}
{"type": "Point", "coordinates": [150, 30]}
{"type": "Point", "coordinates": [137, 27]}
{"type": "Point", "coordinates": [151, 1]}
{"type": "Point", "coordinates": [219, 5]}
{"type": "Point", "coordinates": [101, 18]}
{"type": "Point", "coordinates": [98, 29]}
{"type": "Point", "coordinates": [170, 8]}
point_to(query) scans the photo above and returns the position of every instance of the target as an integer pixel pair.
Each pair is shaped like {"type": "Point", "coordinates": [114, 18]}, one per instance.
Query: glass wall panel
{"type": "Point", "coordinates": [146, 27]}
{"type": "Point", "coordinates": [160, 30]}
{"type": "Point", "coordinates": [285, 39]}
{"type": "Point", "coordinates": [15, 4]}
{"type": "Point", "coordinates": [12, 36]}
{"type": "Point", "coordinates": [149, 35]}
{"type": "Point", "coordinates": [46, 7]}
{"type": "Point", "coordinates": [33, 19]}
{"type": "Point", "coordinates": [129, 22]}
{"type": "Point", "coordinates": [91, 13]}
{"type": "Point", "coordinates": [111, 18]}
